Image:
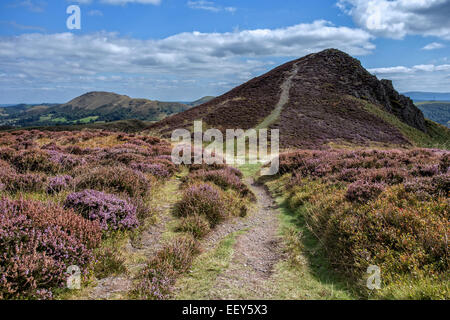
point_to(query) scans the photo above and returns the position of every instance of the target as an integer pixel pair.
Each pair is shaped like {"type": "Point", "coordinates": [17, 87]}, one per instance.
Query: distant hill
{"type": "Point", "coordinates": [438, 111]}
{"type": "Point", "coordinates": [322, 99]}
{"type": "Point", "coordinates": [428, 96]}
{"type": "Point", "coordinates": [200, 101]}
{"type": "Point", "coordinates": [89, 108]}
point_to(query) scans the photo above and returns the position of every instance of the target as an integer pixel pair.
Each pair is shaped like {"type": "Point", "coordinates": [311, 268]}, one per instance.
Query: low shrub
{"type": "Point", "coordinates": [362, 191]}
{"type": "Point", "coordinates": [34, 160]}
{"type": "Point", "coordinates": [111, 212]}
{"type": "Point", "coordinates": [29, 182]}
{"type": "Point", "coordinates": [204, 200]}
{"type": "Point", "coordinates": [196, 225]}
{"type": "Point", "coordinates": [38, 243]}
{"type": "Point", "coordinates": [158, 277]}
{"type": "Point", "coordinates": [59, 183]}
{"type": "Point", "coordinates": [224, 178]}
{"type": "Point", "coordinates": [116, 179]}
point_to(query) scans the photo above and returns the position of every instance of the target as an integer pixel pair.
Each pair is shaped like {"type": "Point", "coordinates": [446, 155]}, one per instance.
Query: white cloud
{"type": "Point", "coordinates": [433, 46]}
{"type": "Point", "coordinates": [417, 78]}
{"type": "Point", "coordinates": [398, 18]}
{"type": "Point", "coordinates": [96, 13]}
{"type": "Point", "coordinates": [233, 57]}
{"type": "Point", "coordinates": [35, 6]}
{"type": "Point", "coordinates": [209, 6]}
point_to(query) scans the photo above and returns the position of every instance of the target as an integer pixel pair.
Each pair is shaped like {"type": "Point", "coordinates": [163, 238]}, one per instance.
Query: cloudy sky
{"type": "Point", "coordinates": [180, 50]}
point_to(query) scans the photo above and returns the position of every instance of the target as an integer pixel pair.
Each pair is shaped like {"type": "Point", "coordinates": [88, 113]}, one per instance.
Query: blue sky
{"type": "Point", "coordinates": [184, 49]}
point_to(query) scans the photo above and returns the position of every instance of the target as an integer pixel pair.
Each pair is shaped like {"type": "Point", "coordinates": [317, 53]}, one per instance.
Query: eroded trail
{"type": "Point", "coordinates": [256, 251]}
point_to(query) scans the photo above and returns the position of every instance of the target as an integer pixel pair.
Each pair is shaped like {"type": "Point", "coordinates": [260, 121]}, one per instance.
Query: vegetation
{"type": "Point", "coordinates": [63, 197]}
{"type": "Point", "coordinates": [372, 207]}
{"type": "Point", "coordinates": [437, 136]}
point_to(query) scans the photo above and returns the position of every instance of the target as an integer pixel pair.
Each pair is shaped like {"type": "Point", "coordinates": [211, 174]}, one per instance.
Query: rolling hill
{"type": "Point", "coordinates": [438, 111]}
{"type": "Point", "coordinates": [321, 99]}
{"type": "Point", "coordinates": [89, 108]}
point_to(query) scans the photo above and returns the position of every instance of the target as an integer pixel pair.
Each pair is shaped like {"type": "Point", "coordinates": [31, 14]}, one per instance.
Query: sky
{"type": "Point", "coordinates": [181, 50]}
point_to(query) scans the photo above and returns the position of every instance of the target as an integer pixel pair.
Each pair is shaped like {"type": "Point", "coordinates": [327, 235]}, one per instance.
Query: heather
{"type": "Point", "coordinates": [38, 243]}
{"type": "Point", "coordinates": [158, 277]}
{"type": "Point", "coordinates": [115, 179]}
{"type": "Point", "coordinates": [376, 207]}
{"type": "Point", "coordinates": [110, 211]}
{"type": "Point", "coordinates": [86, 191]}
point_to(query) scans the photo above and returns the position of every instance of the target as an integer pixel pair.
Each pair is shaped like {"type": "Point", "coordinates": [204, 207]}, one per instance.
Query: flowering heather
{"type": "Point", "coordinates": [224, 178]}
{"type": "Point", "coordinates": [157, 170]}
{"type": "Point", "coordinates": [111, 212]}
{"type": "Point", "coordinates": [59, 183]}
{"type": "Point", "coordinates": [362, 191]}
{"type": "Point", "coordinates": [38, 243]}
{"type": "Point", "coordinates": [34, 160]}
{"type": "Point", "coordinates": [205, 200]}
{"type": "Point", "coordinates": [115, 179]}
{"type": "Point", "coordinates": [376, 207]}
{"type": "Point", "coordinates": [65, 161]}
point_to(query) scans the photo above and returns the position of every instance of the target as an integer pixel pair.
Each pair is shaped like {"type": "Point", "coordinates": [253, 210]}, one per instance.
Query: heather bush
{"type": "Point", "coordinates": [111, 212]}
{"type": "Point", "coordinates": [158, 277]}
{"type": "Point", "coordinates": [38, 243]}
{"type": "Point", "coordinates": [116, 179]}
{"type": "Point", "coordinates": [204, 200]}
{"type": "Point", "coordinates": [156, 169]}
{"type": "Point", "coordinates": [59, 183]}
{"type": "Point", "coordinates": [362, 191]}
{"type": "Point", "coordinates": [65, 161]}
{"type": "Point", "coordinates": [225, 179]}
{"type": "Point", "coordinates": [6, 153]}
{"type": "Point", "coordinates": [196, 225]}
{"type": "Point", "coordinates": [34, 160]}
{"type": "Point", "coordinates": [29, 182]}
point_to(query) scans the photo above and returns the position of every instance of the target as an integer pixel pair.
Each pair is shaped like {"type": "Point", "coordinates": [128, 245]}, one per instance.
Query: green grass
{"type": "Point", "coordinates": [438, 135]}
{"type": "Point", "coordinates": [87, 119]}
{"type": "Point", "coordinates": [250, 170]}
{"type": "Point", "coordinates": [197, 284]}
{"type": "Point", "coordinates": [60, 119]}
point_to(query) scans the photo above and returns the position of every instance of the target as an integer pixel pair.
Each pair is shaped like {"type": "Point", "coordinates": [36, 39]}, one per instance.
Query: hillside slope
{"type": "Point", "coordinates": [438, 111]}
{"type": "Point", "coordinates": [90, 107]}
{"type": "Point", "coordinates": [314, 101]}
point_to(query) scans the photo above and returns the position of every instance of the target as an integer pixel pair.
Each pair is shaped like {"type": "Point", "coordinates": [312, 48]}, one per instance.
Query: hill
{"type": "Point", "coordinates": [321, 99]}
{"type": "Point", "coordinates": [438, 111]}
{"type": "Point", "coordinates": [200, 101]}
{"type": "Point", "coordinates": [428, 96]}
{"type": "Point", "coordinates": [89, 108]}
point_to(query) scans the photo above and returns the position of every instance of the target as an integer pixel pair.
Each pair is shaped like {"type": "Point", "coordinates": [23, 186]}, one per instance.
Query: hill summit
{"type": "Point", "coordinates": [321, 98]}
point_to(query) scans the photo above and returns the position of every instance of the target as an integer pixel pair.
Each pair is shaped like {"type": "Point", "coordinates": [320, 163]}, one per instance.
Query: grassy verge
{"type": "Point", "coordinates": [197, 284]}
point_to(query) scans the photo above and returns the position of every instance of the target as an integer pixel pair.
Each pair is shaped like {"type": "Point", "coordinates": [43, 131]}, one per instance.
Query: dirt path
{"type": "Point", "coordinates": [139, 251]}
{"type": "Point", "coordinates": [255, 253]}
{"type": "Point", "coordinates": [284, 99]}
